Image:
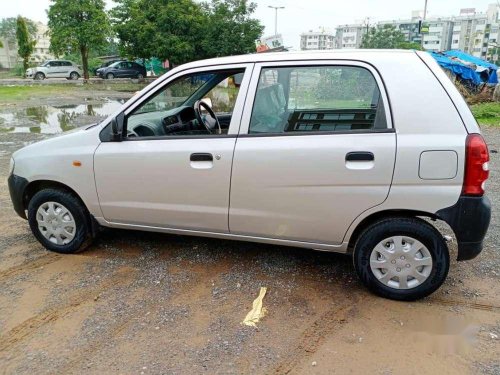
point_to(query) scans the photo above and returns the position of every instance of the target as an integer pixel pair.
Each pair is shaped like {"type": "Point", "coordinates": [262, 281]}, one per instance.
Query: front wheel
{"type": "Point", "coordinates": [402, 258]}
{"type": "Point", "coordinates": [39, 76]}
{"type": "Point", "coordinates": [110, 76]}
{"type": "Point", "coordinates": [59, 221]}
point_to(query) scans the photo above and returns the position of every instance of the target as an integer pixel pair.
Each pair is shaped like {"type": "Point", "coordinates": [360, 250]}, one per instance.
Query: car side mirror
{"type": "Point", "coordinates": [117, 128]}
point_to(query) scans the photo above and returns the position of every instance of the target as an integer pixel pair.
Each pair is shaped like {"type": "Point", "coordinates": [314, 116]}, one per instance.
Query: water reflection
{"type": "Point", "coordinates": [56, 118]}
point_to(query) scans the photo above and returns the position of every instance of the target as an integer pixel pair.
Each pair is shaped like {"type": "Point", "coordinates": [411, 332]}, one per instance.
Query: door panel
{"type": "Point", "coordinates": [303, 188]}
{"type": "Point", "coordinates": [156, 182]}
{"type": "Point", "coordinates": [315, 151]}
{"type": "Point", "coordinates": [181, 182]}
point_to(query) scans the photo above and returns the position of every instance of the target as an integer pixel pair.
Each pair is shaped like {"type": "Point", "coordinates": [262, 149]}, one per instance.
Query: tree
{"type": "Point", "coordinates": [25, 43]}
{"type": "Point", "coordinates": [8, 28]}
{"type": "Point", "coordinates": [170, 29]}
{"type": "Point", "coordinates": [183, 30]}
{"type": "Point", "coordinates": [78, 25]}
{"type": "Point", "coordinates": [133, 29]}
{"type": "Point", "coordinates": [230, 30]}
{"type": "Point", "coordinates": [385, 36]}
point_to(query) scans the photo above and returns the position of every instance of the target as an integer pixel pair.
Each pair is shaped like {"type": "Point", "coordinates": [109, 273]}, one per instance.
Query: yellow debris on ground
{"type": "Point", "coordinates": [257, 312]}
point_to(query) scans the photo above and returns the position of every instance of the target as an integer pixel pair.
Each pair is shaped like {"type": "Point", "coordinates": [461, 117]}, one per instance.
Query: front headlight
{"type": "Point", "coordinates": [11, 166]}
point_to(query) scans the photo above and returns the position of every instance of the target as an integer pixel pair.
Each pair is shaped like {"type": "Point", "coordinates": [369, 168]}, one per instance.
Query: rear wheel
{"type": "Point", "coordinates": [74, 76]}
{"type": "Point", "coordinates": [39, 76]}
{"type": "Point", "coordinates": [402, 258]}
{"type": "Point", "coordinates": [59, 221]}
{"type": "Point", "coordinates": [140, 76]}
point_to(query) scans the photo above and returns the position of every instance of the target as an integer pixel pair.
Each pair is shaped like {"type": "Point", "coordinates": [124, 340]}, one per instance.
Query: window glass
{"type": "Point", "coordinates": [316, 99]}
{"type": "Point", "coordinates": [171, 112]}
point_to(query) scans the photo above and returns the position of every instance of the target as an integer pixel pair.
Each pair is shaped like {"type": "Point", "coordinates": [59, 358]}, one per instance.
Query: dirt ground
{"type": "Point", "coordinates": [143, 303]}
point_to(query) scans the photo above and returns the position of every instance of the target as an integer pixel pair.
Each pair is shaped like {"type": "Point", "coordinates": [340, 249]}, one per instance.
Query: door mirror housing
{"type": "Point", "coordinates": [117, 128]}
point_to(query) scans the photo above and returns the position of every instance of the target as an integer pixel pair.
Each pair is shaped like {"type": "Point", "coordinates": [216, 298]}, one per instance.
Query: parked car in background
{"type": "Point", "coordinates": [123, 69]}
{"type": "Point", "coordinates": [55, 69]}
{"type": "Point", "coordinates": [105, 65]}
{"type": "Point", "coordinates": [335, 151]}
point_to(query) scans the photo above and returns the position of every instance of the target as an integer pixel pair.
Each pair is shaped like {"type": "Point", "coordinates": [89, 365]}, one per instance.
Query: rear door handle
{"type": "Point", "coordinates": [360, 156]}
{"type": "Point", "coordinates": [201, 156]}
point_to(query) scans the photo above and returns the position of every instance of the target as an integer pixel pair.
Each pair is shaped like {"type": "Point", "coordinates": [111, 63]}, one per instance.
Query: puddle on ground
{"type": "Point", "coordinates": [53, 119]}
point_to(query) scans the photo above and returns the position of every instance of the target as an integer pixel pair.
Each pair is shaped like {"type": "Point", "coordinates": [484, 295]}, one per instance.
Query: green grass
{"type": "Point", "coordinates": [487, 113]}
{"type": "Point", "coordinates": [9, 74]}
{"type": "Point", "coordinates": [12, 94]}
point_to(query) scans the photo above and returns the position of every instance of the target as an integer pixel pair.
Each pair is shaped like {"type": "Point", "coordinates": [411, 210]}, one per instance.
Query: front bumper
{"type": "Point", "coordinates": [17, 186]}
{"type": "Point", "coordinates": [469, 218]}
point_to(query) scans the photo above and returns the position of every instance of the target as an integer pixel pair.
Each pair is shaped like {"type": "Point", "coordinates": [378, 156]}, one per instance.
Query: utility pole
{"type": "Point", "coordinates": [423, 20]}
{"type": "Point", "coordinates": [275, 18]}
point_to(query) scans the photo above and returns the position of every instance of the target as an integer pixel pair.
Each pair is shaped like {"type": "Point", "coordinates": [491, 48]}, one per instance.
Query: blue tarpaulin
{"type": "Point", "coordinates": [445, 60]}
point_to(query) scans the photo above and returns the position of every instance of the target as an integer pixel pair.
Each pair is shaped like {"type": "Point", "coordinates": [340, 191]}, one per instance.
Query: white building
{"type": "Point", "coordinates": [8, 54]}
{"type": "Point", "coordinates": [350, 36]}
{"type": "Point", "coordinates": [472, 32]}
{"type": "Point", "coordinates": [317, 40]}
{"type": "Point", "coordinates": [475, 33]}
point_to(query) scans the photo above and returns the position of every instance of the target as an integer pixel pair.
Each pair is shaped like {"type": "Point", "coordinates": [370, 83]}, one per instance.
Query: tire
{"type": "Point", "coordinates": [386, 235]}
{"type": "Point", "coordinates": [39, 76]}
{"type": "Point", "coordinates": [74, 76]}
{"type": "Point", "coordinates": [140, 76]}
{"type": "Point", "coordinates": [78, 212]}
{"type": "Point", "coordinates": [110, 76]}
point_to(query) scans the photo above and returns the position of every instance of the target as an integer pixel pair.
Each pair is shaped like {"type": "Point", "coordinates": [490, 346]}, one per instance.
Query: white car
{"type": "Point", "coordinates": [341, 151]}
{"type": "Point", "coordinates": [55, 69]}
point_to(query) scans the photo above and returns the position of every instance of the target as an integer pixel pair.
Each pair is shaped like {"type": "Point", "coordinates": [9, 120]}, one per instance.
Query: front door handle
{"type": "Point", "coordinates": [360, 156]}
{"type": "Point", "coordinates": [201, 156]}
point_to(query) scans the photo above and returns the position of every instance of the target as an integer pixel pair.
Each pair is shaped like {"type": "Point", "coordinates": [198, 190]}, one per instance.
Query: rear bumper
{"type": "Point", "coordinates": [469, 218]}
{"type": "Point", "coordinates": [17, 186]}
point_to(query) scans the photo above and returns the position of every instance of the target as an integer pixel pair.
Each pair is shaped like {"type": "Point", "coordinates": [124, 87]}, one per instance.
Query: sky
{"type": "Point", "coordinates": [300, 15]}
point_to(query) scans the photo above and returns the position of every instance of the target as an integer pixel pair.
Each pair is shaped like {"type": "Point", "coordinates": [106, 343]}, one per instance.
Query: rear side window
{"type": "Point", "coordinates": [317, 99]}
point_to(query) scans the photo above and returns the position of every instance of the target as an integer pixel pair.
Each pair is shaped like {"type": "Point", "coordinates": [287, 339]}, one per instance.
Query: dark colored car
{"type": "Point", "coordinates": [104, 65]}
{"type": "Point", "coordinates": [122, 69]}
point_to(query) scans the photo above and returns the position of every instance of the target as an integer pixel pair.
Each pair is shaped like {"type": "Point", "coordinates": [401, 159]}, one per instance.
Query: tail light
{"type": "Point", "coordinates": [476, 165]}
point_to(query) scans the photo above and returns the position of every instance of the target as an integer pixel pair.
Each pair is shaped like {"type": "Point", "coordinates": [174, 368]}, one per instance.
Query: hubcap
{"type": "Point", "coordinates": [56, 223]}
{"type": "Point", "coordinates": [401, 262]}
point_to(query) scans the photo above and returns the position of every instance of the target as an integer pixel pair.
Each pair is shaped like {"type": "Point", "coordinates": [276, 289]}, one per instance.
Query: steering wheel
{"type": "Point", "coordinates": [211, 123]}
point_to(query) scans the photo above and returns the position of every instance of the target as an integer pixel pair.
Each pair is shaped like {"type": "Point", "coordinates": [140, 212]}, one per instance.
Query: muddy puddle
{"type": "Point", "coordinates": [53, 119]}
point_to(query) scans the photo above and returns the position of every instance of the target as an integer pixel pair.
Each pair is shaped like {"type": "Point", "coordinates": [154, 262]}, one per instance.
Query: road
{"type": "Point", "coordinates": [144, 303]}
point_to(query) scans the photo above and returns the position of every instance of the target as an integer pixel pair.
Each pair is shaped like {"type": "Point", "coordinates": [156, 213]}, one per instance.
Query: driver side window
{"type": "Point", "coordinates": [176, 110]}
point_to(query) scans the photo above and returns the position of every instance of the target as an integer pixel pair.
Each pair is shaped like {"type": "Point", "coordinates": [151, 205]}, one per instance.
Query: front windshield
{"type": "Point", "coordinates": [46, 63]}
{"type": "Point", "coordinates": [115, 64]}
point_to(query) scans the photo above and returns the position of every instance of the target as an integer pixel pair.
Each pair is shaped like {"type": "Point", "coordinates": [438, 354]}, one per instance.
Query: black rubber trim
{"type": "Point", "coordinates": [469, 218]}
{"type": "Point", "coordinates": [288, 134]}
{"type": "Point", "coordinates": [17, 186]}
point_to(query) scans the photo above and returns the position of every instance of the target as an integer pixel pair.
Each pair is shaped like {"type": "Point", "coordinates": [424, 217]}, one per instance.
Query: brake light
{"type": "Point", "coordinates": [476, 165]}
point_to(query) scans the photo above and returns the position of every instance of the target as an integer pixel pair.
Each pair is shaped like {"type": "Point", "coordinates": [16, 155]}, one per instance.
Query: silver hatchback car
{"type": "Point", "coordinates": [55, 69]}
{"type": "Point", "coordinates": [344, 151]}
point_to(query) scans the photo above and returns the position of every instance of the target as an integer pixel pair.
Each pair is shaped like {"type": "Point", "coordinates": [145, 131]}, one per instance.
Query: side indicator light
{"type": "Point", "coordinates": [77, 163]}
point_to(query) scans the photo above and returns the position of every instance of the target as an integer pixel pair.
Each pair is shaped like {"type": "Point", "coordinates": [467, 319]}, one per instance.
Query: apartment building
{"type": "Point", "coordinates": [472, 32]}
{"type": "Point", "coordinates": [317, 40]}
{"type": "Point", "coordinates": [8, 53]}
{"type": "Point", "coordinates": [350, 36]}
{"type": "Point", "coordinates": [476, 33]}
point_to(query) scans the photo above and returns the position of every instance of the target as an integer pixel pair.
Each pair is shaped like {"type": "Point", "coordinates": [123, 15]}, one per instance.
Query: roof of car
{"type": "Point", "coordinates": [297, 55]}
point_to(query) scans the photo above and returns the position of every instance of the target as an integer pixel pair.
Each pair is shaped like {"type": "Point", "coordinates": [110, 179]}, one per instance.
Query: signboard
{"type": "Point", "coordinates": [423, 27]}
{"type": "Point", "coordinates": [269, 42]}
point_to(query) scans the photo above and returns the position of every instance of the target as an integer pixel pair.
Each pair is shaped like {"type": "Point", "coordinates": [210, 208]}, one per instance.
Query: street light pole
{"type": "Point", "coordinates": [275, 18]}
{"type": "Point", "coordinates": [423, 20]}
